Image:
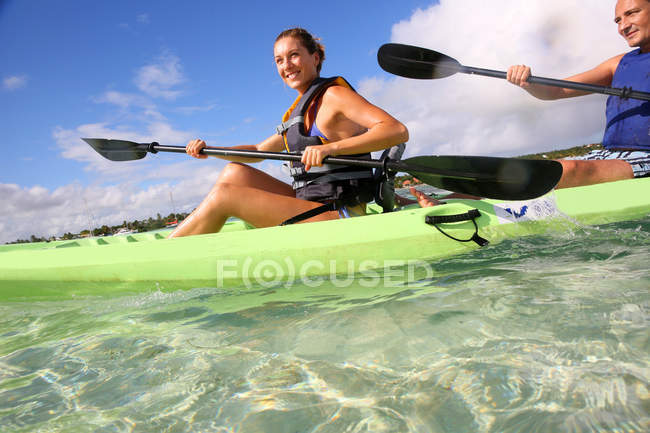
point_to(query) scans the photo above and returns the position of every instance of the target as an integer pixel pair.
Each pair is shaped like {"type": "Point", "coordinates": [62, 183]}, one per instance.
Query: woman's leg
{"type": "Point", "coordinates": [249, 194]}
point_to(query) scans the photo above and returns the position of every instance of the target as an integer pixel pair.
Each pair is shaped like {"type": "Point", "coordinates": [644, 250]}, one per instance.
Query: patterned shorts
{"type": "Point", "coordinates": [639, 160]}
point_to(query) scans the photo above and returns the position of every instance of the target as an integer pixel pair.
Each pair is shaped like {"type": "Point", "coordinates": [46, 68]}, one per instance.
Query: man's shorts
{"type": "Point", "coordinates": [639, 160]}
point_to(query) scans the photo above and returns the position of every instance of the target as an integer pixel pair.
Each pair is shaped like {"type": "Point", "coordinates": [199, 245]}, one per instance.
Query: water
{"type": "Point", "coordinates": [544, 334]}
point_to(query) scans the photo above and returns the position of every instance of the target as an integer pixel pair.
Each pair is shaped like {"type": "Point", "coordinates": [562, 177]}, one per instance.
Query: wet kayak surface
{"type": "Point", "coordinates": [544, 333]}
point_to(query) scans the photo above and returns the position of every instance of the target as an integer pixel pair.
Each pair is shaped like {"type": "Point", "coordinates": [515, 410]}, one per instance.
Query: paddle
{"type": "Point", "coordinates": [421, 63]}
{"type": "Point", "coordinates": [490, 177]}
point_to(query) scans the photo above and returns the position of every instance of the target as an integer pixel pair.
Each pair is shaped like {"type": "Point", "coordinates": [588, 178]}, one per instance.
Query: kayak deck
{"type": "Point", "coordinates": [371, 246]}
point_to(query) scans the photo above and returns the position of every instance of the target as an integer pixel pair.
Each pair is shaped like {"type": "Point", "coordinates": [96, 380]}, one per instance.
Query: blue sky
{"type": "Point", "coordinates": [70, 53]}
{"type": "Point", "coordinates": [171, 71]}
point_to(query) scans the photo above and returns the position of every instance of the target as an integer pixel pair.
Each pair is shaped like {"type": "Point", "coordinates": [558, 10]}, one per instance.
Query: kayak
{"type": "Point", "coordinates": [372, 247]}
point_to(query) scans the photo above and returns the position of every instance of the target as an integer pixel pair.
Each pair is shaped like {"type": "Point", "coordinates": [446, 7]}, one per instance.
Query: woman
{"type": "Point", "coordinates": [337, 121]}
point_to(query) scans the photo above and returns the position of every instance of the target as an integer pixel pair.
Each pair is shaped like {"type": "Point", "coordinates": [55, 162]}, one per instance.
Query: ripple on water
{"type": "Point", "coordinates": [547, 333]}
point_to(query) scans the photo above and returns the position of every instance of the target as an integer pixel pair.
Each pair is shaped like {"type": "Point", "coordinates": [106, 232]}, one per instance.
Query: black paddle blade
{"type": "Point", "coordinates": [489, 177]}
{"type": "Point", "coordinates": [416, 62]}
{"type": "Point", "coordinates": [118, 150]}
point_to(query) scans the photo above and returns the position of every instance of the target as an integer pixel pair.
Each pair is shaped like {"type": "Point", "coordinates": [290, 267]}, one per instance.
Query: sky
{"type": "Point", "coordinates": [170, 71]}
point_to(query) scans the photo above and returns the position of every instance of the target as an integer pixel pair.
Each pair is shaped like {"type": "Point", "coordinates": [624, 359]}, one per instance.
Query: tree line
{"type": "Point", "coordinates": [138, 226]}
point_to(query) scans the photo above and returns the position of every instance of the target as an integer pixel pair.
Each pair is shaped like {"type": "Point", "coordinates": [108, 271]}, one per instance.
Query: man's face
{"type": "Point", "coordinates": [633, 20]}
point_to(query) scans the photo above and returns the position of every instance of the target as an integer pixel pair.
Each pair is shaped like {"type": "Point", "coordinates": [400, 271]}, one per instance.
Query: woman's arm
{"type": "Point", "coordinates": [345, 109]}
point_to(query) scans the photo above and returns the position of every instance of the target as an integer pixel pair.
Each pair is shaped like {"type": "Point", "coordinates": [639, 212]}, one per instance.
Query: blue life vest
{"type": "Point", "coordinates": [347, 185]}
{"type": "Point", "coordinates": [628, 120]}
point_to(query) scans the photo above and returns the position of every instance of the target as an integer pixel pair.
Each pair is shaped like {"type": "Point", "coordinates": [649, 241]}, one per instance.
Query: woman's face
{"type": "Point", "coordinates": [295, 65]}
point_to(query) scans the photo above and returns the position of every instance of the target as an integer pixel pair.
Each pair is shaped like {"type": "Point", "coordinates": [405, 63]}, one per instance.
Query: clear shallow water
{"type": "Point", "coordinates": [543, 334]}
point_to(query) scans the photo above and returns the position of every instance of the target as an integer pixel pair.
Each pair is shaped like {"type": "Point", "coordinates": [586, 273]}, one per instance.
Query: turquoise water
{"type": "Point", "coordinates": [543, 334]}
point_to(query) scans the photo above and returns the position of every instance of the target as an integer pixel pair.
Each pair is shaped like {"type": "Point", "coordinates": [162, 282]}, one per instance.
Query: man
{"type": "Point", "coordinates": [626, 141]}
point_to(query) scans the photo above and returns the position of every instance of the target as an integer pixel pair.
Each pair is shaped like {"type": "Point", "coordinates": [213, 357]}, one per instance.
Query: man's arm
{"type": "Point", "coordinates": [601, 75]}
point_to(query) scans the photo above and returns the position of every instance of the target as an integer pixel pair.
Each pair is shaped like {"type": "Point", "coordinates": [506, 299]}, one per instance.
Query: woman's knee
{"type": "Point", "coordinates": [220, 198]}
{"type": "Point", "coordinates": [233, 172]}
{"type": "Point", "coordinates": [221, 191]}
{"type": "Point", "coordinates": [243, 175]}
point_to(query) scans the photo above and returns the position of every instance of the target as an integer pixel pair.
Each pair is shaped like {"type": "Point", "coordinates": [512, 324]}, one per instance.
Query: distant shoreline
{"type": "Point", "coordinates": [565, 153]}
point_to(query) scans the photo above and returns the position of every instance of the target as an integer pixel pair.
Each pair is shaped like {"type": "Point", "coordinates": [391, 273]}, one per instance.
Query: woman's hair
{"type": "Point", "coordinates": [308, 41]}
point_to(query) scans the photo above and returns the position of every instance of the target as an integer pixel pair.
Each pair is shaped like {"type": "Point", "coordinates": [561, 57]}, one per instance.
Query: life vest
{"type": "Point", "coordinates": [628, 120]}
{"type": "Point", "coordinates": [343, 184]}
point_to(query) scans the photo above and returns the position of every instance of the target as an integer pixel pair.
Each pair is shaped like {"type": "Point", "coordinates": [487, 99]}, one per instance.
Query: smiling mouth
{"type": "Point", "coordinates": [292, 75]}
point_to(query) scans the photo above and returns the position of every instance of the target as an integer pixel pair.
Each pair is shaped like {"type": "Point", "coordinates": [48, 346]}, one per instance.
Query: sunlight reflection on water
{"type": "Point", "coordinates": [548, 333]}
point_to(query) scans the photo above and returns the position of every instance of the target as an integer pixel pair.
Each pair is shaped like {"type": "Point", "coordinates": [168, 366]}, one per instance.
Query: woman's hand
{"type": "Point", "coordinates": [518, 75]}
{"type": "Point", "coordinates": [313, 155]}
{"type": "Point", "coordinates": [194, 148]}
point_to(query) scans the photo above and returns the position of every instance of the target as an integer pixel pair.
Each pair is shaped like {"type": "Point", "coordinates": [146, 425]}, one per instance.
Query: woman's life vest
{"type": "Point", "coordinates": [345, 185]}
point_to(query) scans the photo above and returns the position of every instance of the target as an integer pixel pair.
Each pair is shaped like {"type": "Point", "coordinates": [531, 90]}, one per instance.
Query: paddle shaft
{"type": "Point", "coordinates": [278, 156]}
{"type": "Point", "coordinates": [394, 166]}
{"type": "Point", "coordinates": [592, 88]}
{"type": "Point", "coordinates": [481, 176]}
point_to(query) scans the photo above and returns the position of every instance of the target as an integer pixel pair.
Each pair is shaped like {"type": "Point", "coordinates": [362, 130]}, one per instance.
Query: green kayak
{"type": "Point", "coordinates": [371, 248]}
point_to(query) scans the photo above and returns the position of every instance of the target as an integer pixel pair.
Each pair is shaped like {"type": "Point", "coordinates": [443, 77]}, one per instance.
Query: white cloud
{"type": "Point", "coordinates": [122, 100]}
{"type": "Point", "coordinates": [14, 82]}
{"type": "Point", "coordinates": [159, 79]}
{"type": "Point", "coordinates": [73, 147]}
{"type": "Point", "coordinates": [466, 114]}
{"type": "Point", "coordinates": [72, 208]}
{"type": "Point", "coordinates": [189, 110]}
